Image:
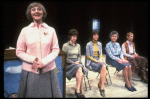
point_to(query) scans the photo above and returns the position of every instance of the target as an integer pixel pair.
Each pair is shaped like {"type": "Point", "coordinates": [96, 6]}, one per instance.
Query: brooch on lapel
{"type": "Point", "coordinates": [45, 33]}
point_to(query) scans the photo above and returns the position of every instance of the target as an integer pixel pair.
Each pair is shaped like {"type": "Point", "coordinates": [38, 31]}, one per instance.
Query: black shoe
{"type": "Point", "coordinates": [129, 88]}
{"type": "Point", "coordinates": [77, 94]}
{"type": "Point", "coordinates": [133, 88]}
{"type": "Point", "coordinates": [82, 96]}
{"type": "Point", "coordinates": [102, 92]}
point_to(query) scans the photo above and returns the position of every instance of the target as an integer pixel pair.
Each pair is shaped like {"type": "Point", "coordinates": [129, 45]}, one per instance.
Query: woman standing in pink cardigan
{"type": "Point", "coordinates": [37, 46]}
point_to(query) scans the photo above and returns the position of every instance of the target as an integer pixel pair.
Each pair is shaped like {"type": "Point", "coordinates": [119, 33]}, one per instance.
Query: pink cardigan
{"type": "Point", "coordinates": [39, 43]}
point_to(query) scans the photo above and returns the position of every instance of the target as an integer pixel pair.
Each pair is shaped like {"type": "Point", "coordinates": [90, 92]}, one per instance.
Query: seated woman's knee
{"type": "Point", "coordinates": [79, 71]}
{"type": "Point", "coordinates": [104, 67]}
{"type": "Point", "coordinates": [126, 67]}
{"type": "Point", "coordinates": [129, 67]}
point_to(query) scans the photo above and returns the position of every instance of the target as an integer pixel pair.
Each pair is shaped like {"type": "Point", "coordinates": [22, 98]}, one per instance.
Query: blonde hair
{"type": "Point", "coordinates": [129, 33]}
{"type": "Point", "coordinates": [28, 12]}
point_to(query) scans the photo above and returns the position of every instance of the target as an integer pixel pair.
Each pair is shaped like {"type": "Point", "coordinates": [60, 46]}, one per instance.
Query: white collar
{"type": "Point", "coordinates": [113, 43]}
{"type": "Point", "coordinates": [128, 42]}
{"type": "Point", "coordinates": [42, 25]}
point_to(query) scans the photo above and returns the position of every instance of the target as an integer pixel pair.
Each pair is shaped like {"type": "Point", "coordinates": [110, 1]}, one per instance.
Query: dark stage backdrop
{"type": "Point", "coordinates": [63, 16]}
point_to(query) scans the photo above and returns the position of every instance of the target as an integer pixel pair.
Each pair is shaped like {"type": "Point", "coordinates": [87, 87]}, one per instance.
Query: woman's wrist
{"type": "Point", "coordinates": [98, 61]}
{"type": "Point", "coordinates": [35, 60]}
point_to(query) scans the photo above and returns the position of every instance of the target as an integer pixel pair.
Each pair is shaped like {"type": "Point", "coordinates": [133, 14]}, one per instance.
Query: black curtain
{"type": "Point", "coordinates": [63, 16]}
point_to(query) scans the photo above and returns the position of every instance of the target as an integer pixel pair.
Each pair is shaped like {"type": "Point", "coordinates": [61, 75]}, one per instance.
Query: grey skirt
{"type": "Point", "coordinates": [71, 69]}
{"type": "Point", "coordinates": [96, 66]}
{"type": "Point", "coordinates": [39, 85]}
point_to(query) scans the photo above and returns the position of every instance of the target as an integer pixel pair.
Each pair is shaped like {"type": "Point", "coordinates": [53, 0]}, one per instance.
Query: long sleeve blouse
{"type": "Point", "coordinates": [41, 43]}
{"type": "Point", "coordinates": [113, 49]}
{"type": "Point", "coordinates": [131, 49]}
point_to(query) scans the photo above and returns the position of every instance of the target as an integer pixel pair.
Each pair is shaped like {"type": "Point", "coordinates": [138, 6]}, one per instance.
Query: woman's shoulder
{"type": "Point", "coordinates": [48, 27]}
{"type": "Point", "coordinates": [78, 44]}
{"type": "Point", "coordinates": [89, 43]}
{"type": "Point", "coordinates": [109, 43]}
{"type": "Point", "coordinates": [118, 43]}
{"type": "Point", "coordinates": [25, 30]}
{"type": "Point", "coordinates": [65, 44]}
{"type": "Point", "coordinates": [99, 42]}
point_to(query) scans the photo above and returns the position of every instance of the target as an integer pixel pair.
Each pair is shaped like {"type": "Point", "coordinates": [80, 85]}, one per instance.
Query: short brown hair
{"type": "Point", "coordinates": [93, 33]}
{"type": "Point", "coordinates": [129, 33]}
{"type": "Point", "coordinates": [28, 12]}
{"type": "Point", "coordinates": [72, 32]}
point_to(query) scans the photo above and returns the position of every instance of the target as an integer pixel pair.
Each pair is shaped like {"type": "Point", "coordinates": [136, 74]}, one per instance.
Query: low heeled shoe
{"type": "Point", "coordinates": [102, 92]}
{"type": "Point", "coordinates": [77, 94]}
{"type": "Point", "coordinates": [82, 96]}
{"type": "Point", "coordinates": [129, 88]}
{"type": "Point", "coordinates": [133, 88]}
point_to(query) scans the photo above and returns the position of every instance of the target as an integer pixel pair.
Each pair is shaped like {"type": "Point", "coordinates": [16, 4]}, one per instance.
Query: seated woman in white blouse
{"type": "Point", "coordinates": [116, 59]}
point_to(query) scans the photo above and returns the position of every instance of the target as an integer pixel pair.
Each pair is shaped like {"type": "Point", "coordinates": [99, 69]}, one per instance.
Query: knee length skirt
{"type": "Point", "coordinates": [71, 69]}
{"type": "Point", "coordinates": [114, 63]}
{"type": "Point", "coordinates": [44, 85]}
{"type": "Point", "coordinates": [96, 66]}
